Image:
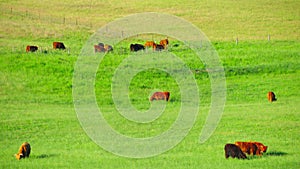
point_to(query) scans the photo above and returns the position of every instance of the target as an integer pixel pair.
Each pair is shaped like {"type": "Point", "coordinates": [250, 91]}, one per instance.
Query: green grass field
{"type": "Point", "coordinates": [36, 88]}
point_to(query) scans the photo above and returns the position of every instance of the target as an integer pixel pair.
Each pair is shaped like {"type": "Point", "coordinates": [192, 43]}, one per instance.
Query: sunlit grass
{"type": "Point", "coordinates": [36, 88]}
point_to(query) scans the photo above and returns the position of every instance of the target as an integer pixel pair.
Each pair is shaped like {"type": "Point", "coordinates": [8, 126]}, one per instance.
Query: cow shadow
{"type": "Point", "coordinates": [276, 153]}
{"type": "Point", "coordinates": [42, 156]}
{"type": "Point", "coordinates": [268, 154]}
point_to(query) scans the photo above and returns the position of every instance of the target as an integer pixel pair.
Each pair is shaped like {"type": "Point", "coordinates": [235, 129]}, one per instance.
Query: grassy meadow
{"type": "Point", "coordinates": [36, 88]}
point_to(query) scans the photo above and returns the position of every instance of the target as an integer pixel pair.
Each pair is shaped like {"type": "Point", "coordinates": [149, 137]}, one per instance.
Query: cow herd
{"type": "Point", "coordinates": [163, 44]}
{"type": "Point", "coordinates": [56, 45]}
{"type": "Point", "coordinates": [101, 47]}
{"type": "Point", "coordinates": [237, 150]}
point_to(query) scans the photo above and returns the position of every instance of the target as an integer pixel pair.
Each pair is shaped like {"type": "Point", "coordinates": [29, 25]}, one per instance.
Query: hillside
{"type": "Point", "coordinates": [42, 104]}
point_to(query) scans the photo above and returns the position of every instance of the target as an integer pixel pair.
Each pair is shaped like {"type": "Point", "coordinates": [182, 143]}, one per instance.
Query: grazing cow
{"type": "Point", "coordinates": [271, 96]}
{"type": "Point", "coordinates": [232, 150]}
{"type": "Point", "coordinates": [31, 48]}
{"type": "Point", "coordinates": [103, 48]}
{"type": "Point", "coordinates": [136, 47]}
{"type": "Point", "coordinates": [248, 147]}
{"type": "Point", "coordinates": [160, 96]}
{"type": "Point", "coordinates": [24, 151]}
{"type": "Point", "coordinates": [149, 44]}
{"type": "Point", "coordinates": [99, 48]}
{"type": "Point", "coordinates": [260, 147]}
{"type": "Point", "coordinates": [58, 45]}
{"type": "Point", "coordinates": [108, 48]}
{"type": "Point", "coordinates": [158, 47]}
{"type": "Point", "coordinates": [165, 43]}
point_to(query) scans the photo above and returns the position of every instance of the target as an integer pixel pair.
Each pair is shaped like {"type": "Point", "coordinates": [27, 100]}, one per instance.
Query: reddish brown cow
{"type": "Point", "coordinates": [99, 48]}
{"type": "Point", "coordinates": [24, 151]}
{"type": "Point", "coordinates": [58, 45]}
{"type": "Point", "coordinates": [102, 48]}
{"type": "Point", "coordinates": [108, 48]}
{"type": "Point", "coordinates": [160, 96]}
{"type": "Point", "coordinates": [158, 47]}
{"type": "Point", "coordinates": [164, 43]}
{"type": "Point", "coordinates": [249, 148]}
{"type": "Point", "coordinates": [260, 147]}
{"type": "Point", "coordinates": [31, 48]}
{"type": "Point", "coordinates": [271, 96]}
{"type": "Point", "coordinates": [149, 44]}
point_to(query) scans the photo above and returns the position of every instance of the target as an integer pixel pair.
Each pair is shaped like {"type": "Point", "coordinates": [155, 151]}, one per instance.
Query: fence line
{"type": "Point", "coordinates": [64, 20]}
{"type": "Point", "coordinates": [36, 16]}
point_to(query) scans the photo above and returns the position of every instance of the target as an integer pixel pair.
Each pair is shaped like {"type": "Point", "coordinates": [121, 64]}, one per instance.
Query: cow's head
{"type": "Point", "coordinates": [263, 148]}
{"type": "Point", "coordinates": [19, 156]}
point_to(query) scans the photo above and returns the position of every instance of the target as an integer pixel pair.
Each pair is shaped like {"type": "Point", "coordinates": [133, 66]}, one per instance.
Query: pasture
{"type": "Point", "coordinates": [36, 88]}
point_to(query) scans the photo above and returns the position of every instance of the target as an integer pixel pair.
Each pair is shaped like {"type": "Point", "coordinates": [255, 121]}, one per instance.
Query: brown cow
{"type": "Point", "coordinates": [260, 147]}
{"type": "Point", "coordinates": [149, 44]}
{"type": "Point", "coordinates": [158, 47]}
{"type": "Point", "coordinates": [164, 43]}
{"type": "Point", "coordinates": [31, 48]}
{"type": "Point", "coordinates": [271, 96]}
{"type": "Point", "coordinates": [108, 48]}
{"type": "Point", "coordinates": [58, 45]}
{"type": "Point", "coordinates": [248, 147]}
{"type": "Point", "coordinates": [160, 96]}
{"type": "Point", "coordinates": [232, 150]}
{"type": "Point", "coordinates": [24, 151]}
{"type": "Point", "coordinates": [103, 48]}
{"type": "Point", "coordinates": [99, 48]}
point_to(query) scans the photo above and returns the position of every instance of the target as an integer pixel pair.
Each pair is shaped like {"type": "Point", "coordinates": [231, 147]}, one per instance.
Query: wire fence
{"type": "Point", "coordinates": [36, 16]}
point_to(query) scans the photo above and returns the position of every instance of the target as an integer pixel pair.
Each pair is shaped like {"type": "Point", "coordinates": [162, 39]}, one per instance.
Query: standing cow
{"type": "Point", "coordinates": [59, 45]}
{"type": "Point", "coordinates": [31, 48]}
{"type": "Point", "coordinates": [164, 43]}
{"type": "Point", "coordinates": [271, 96]}
{"type": "Point", "coordinates": [136, 47]}
{"type": "Point", "coordinates": [158, 47]}
{"type": "Point", "coordinates": [149, 44]}
{"type": "Point", "coordinates": [160, 96]}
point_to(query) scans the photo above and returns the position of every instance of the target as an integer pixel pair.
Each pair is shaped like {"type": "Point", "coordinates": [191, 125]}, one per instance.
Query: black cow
{"type": "Point", "coordinates": [31, 48]}
{"type": "Point", "coordinates": [232, 150]}
{"type": "Point", "coordinates": [136, 47]}
{"type": "Point", "coordinates": [58, 45]}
